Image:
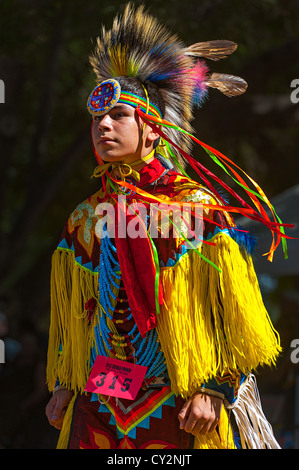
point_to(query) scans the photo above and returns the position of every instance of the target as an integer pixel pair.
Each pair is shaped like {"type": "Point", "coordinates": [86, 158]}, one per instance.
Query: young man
{"type": "Point", "coordinates": [185, 319]}
{"type": "Point", "coordinates": [118, 137]}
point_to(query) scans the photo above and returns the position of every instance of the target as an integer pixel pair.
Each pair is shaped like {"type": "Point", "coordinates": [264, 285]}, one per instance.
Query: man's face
{"type": "Point", "coordinates": [116, 135]}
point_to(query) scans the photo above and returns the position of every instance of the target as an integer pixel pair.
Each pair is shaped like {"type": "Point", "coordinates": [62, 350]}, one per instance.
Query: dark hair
{"type": "Point", "coordinates": [133, 85]}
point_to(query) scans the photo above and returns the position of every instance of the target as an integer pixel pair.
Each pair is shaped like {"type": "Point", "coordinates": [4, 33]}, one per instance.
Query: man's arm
{"type": "Point", "coordinates": [57, 406]}
{"type": "Point", "coordinates": [200, 414]}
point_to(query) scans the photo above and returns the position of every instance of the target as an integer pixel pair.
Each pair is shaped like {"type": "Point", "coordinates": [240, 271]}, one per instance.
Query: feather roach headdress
{"type": "Point", "coordinates": [138, 46]}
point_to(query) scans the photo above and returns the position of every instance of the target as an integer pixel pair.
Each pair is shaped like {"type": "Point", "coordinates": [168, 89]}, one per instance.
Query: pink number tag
{"type": "Point", "coordinates": [116, 378]}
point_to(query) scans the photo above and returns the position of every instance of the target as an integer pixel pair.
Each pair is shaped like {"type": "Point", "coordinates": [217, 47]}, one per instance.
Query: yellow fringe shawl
{"type": "Point", "coordinates": [71, 287]}
{"type": "Point", "coordinates": [210, 323]}
{"type": "Point", "coordinates": [213, 322]}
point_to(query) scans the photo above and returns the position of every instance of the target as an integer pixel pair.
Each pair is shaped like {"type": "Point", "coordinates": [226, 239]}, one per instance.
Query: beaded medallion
{"type": "Point", "coordinates": [103, 97]}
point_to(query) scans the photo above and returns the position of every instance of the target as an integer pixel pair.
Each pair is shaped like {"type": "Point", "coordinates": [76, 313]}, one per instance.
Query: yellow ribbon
{"type": "Point", "coordinates": [123, 169]}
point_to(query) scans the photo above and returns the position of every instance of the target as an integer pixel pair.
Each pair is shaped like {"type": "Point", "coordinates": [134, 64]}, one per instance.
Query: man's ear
{"type": "Point", "coordinates": [152, 136]}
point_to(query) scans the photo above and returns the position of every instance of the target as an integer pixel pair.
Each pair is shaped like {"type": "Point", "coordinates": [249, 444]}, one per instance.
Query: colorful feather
{"type": "Point", "coordinates": [229, 85]}
{"type": "Point", "coordinates": [213, 50]}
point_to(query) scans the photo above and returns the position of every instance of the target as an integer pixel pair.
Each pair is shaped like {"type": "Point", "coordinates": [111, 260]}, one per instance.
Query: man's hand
{"type": "Point", "coordinates": [56, 408]}
{"type": "Point", "coordinates": [200, 414]}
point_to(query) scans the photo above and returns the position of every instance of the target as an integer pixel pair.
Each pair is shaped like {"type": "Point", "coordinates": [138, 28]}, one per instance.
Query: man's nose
{"type": "Point", "coordinates": [105, 122]}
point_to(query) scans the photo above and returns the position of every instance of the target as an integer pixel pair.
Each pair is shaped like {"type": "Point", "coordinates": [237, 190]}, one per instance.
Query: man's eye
{"type": "Point", "coordinates": [119, 115]}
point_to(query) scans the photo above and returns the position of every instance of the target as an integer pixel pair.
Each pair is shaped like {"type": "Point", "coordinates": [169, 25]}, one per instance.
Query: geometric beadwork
{"type": "Point", "coordinates": [139, 413]}
{"type": "Point", "coordinates": [103, 97]}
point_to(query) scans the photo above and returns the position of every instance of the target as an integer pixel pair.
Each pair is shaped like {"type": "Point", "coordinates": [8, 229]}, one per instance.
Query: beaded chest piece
{"type": "Point", "coordinates": [126, 344]}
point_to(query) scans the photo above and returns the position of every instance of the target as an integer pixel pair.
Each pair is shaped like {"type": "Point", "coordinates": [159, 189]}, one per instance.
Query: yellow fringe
{"type": "Point", "coordinates": [210, 323]}
{"type": "Point", "coordinates": [71, 287]}
{"type": "Point", "coordinates": [214, 322]}
{"type": "Point", "coordinates": [221, 438]}
{"type": "Point", "coordinates": [66, 426]}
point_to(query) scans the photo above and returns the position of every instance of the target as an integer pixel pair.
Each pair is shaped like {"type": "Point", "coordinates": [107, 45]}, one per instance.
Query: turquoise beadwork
{"type": "Point", "coordinates": [146, 351]}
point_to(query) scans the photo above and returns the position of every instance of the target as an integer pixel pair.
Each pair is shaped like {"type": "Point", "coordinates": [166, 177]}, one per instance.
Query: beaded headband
{"type": "Point", "coordinates": [105, 96]}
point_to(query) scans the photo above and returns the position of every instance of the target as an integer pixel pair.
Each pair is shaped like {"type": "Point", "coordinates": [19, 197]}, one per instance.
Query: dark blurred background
{"type": "Point", "coordinates": [47, 162]}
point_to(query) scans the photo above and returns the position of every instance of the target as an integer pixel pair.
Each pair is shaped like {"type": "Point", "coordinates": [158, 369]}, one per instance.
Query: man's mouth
{"type": "Point", "coordinates": [104, 140]}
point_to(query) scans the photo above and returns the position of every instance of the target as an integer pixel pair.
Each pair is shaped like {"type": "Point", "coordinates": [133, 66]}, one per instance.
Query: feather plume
{"type": "Point", "coordinates": [229, 85]}
{"type": "Point", "coordinates": [137, 45]}
{"type": "Point", "coordinates": [213, 50]}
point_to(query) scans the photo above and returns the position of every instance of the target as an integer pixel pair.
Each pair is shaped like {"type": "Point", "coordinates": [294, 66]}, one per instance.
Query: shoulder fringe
{"type": "Point", "coordinates": [254, 429]}
{"type": "Point", "coordinates": [71, 287]}
{"type": "Point", "coordinates": [212, 323]}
